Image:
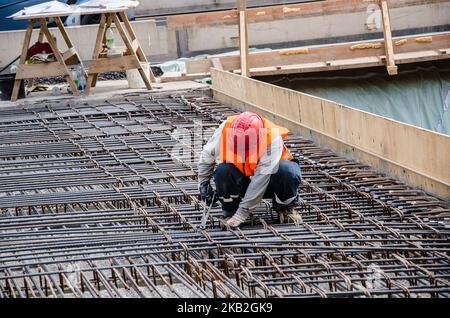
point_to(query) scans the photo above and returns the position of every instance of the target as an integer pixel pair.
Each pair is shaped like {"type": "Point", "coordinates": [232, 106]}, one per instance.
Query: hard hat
{"type": "Point", "coordinates": [244, 134]}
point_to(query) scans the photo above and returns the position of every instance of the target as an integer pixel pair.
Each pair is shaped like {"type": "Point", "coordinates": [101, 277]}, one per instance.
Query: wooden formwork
{"type": "Point", "coordinates": [416, 156]}
{"type": "Point", "coordinates": [387, 51]}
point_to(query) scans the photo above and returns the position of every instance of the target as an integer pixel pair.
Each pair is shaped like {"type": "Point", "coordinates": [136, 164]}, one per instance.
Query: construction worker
{"type": "Point", "coordinates": [248, 160]}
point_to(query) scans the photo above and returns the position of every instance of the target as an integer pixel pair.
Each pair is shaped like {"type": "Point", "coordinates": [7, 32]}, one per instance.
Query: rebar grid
{"type": "Point", "coordinates": [96, 202]}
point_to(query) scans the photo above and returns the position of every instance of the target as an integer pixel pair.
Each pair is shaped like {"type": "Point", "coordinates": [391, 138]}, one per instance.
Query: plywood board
{"type": "Point", "coordinates": [415, 155]}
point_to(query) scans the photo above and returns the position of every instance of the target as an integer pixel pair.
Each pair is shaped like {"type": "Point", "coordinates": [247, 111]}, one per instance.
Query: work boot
{"type": "Point", "coordinates": [289, 214]}
{"type": "Point", "coordinates": [235, 221]}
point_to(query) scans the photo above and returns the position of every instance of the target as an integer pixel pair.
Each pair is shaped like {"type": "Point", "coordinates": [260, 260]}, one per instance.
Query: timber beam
{"type": "Point", "coordinates": [388, 45]}
{"type": "Point", "coordinates": [243, 37]}
{"type": "Point", "coordinates": [407, 49]}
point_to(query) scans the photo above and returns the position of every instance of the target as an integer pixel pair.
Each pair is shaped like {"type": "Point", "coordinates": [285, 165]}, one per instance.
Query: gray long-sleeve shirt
{"type": "Point", "coordinates": [267, 165]}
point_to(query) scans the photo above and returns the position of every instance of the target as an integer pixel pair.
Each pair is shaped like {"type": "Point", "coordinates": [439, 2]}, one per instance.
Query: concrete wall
{"type": "Point", "coordinates": [162, 43]}
{"type": "Point", "coordinates": [317, 29]}
{"type": "Point", "coordinates": [155, 40]}
{"type": "Point", "coordinates": [165, 7]}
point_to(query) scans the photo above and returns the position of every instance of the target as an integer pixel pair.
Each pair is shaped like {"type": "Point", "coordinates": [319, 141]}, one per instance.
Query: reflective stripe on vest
{"type": "Point", "coordinates": [248, 164]}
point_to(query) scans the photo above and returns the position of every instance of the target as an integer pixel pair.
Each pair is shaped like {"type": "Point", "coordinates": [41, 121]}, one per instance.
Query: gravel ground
{"type": "Point", "coordinates": [61, 80]}
{"type": "Point", "coordinates": [120, 75]}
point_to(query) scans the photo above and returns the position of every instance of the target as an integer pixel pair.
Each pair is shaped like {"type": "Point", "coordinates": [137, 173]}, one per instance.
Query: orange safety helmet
{"type": "Point", "coordinates": [245, 132]}
{"type": "Point", "coordinates": [246, 137]}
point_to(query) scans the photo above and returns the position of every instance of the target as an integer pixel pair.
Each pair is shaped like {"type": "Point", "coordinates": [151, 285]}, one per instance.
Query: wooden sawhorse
{"type": "Point", "coordinates": [132, 58]}
{"type": "Point", "coordinates": [57, 68]}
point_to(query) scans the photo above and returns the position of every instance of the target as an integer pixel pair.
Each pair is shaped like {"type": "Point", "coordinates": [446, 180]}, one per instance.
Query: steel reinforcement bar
{"type": "Point", "coordinates": [100, 199]}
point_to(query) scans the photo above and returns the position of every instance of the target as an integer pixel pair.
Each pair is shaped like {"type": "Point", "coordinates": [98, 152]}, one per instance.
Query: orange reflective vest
{"type": "Point", "coordinates": [248, 164]}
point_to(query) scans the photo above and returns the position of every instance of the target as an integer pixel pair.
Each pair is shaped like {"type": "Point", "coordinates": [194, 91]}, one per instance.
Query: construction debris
{"type": "Point", "coordinates": [424, 39]}
{"type": "Point", "coordinates": [401, 42]}
{"type": "Point", "coordinates": [365, 46]}
{"type": "Point", "coordinates": [294, 51]}
{"type": "Point", "coordinates": [95, 204]}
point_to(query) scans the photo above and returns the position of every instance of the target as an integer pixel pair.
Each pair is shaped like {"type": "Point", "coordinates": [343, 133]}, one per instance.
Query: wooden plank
{"type": "Point", "coordinates": [135, 45]}
{"type": "Point", "coordinates": [69, 53]}
{"type": "Point", "coordinates": [367, 62]}
{"type": "Point", "coordinates": [40, 70]}
{"type": "Point", "coordinates": [23, 58]}
{"type": "Point", "coordinates": [320, 54]}
{"type": "Point", "coordinates": [112, 64]}
{"type": "Point", "coordinates": [144, 77]}
{"type": "Point", "coordinates": [243, 44]}
{"type": "Point", "coordinates": [129, 46]}
{"type": "Point", "coordinates": [58, 56]}
{"type": "Point", "coordinates": [123, 34]}
{"type": "Point", "coordinates": [140, 53]}
{"type": "Point", "coordinates": [388, 48]}
{"type": "Point", "coordinates": [109, 21]}
{"type": "Point", "coordinates": [422, 56]}
{"type": "Point", "coordinates": [129, 28]}
{"type": "Point", "coordinates": [269, 13]}
{"type": "Point", "coordinates": [416, 156]}
{"type": "Point", "coordinates": [178, 76]}
{"type": "Point", "coordinates": [69, 12]}
{"type": "Point", "coordinates": [318, 67]}
{"type": "Point", "coordinates": [40, 36]}
{"type": "Point", "coordinates": [216, 63]}
{"type": "Point", "coordinates": [71, 56]}
{"type": "Point", "coordinates": [282, 12]}
{"type": "Point", "coordinates": [92, 77]}
{"type": "Point", "coordinates": [243, 38]}
{"type": "Point", "coordinates": [64, 34]}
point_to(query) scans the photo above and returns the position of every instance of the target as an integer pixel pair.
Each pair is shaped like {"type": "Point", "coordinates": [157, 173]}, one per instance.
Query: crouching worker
{"type": "Point", "coordinates": [248, 161]}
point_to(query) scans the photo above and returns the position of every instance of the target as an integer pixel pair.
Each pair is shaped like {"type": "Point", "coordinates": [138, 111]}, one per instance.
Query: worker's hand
{"type": "Point", "coordinates": [207, 193]}
{"type": "Point", "coordinates": [296, 159]}
{"type": "Point", "coordinates": [235, 221]}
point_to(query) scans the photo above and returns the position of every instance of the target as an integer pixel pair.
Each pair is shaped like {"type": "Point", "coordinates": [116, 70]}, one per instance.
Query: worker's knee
{"type": "Point", "coordinates": [224, 171]}
{"type": "Point", "coordinates": [229, 180]}
{"type": "Point", "coordinates": [230, 186]}
{"type": "Point", "coordinates": [285, 183]}
{"type": "Point", "coordinates": [289, 172]}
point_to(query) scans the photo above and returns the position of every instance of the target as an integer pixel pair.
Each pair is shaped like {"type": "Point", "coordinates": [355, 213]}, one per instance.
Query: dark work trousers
{"type": "Point", "coordinates": [232, 184]}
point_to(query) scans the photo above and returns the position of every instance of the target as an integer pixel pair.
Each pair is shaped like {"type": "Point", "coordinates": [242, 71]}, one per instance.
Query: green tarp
{"type": "Point", "coordinates": [419, 95]}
